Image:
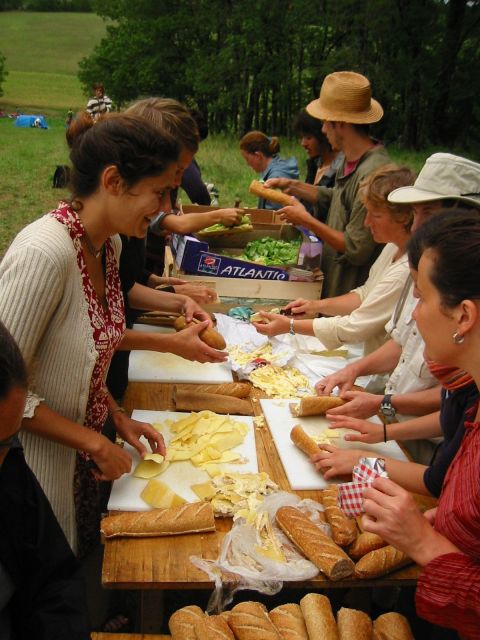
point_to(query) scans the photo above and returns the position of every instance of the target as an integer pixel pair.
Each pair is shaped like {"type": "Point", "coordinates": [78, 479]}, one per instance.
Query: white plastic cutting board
{"type": "Point", "coordinates": [300, 471]}
{"type": "Point", "coordinates": [179, 476]}
{"type": "Point", "coordinates": [151, 366]}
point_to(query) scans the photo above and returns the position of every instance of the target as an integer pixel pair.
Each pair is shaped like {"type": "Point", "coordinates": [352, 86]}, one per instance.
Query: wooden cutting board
{"type": "Point", "coordinates": [179, 476]}
{"type": "Point", "coordinates": [299, 470]}
{"type": "Point", "coordinates": [151, 366]}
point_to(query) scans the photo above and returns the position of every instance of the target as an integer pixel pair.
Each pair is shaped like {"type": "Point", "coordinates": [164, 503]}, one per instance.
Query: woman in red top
{"type": "Point", "coordinates": [445, 257]}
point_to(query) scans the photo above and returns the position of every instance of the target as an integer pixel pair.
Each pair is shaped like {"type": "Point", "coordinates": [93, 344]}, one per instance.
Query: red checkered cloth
{"type": "Point", "coordinates": [350, 494]}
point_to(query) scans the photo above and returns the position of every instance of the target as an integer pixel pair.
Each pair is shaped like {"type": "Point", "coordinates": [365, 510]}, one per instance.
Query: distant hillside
{"type": "Point", "coordinates": [42, 52]}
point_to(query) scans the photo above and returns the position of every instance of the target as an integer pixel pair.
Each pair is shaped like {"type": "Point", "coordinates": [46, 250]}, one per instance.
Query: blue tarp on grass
{"type": "Point", "coordinates": [31, 121]}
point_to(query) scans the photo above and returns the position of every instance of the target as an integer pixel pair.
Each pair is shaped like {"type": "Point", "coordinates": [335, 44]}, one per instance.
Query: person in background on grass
{"type": "Point", "coordinates": [99, 103]}
{"type": "Point", "coordinates": [346, 108]}
{"type": "Point", "coordinates": [60, 297]}
{"type": "Point", "coordinates": [445, 542]}
{"type": "Point", "coordinates": [41, 593]}
{"type": "Point", "coordinates": [361, 314]}
{"type": "Point", "coordinates": [261, 153]}
{"type": "Point", "coordinates": [322, 162]}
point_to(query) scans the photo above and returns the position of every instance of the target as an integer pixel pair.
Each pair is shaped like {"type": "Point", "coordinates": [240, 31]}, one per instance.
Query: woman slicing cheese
{"type": "Point", "coordinates": [361, 314]}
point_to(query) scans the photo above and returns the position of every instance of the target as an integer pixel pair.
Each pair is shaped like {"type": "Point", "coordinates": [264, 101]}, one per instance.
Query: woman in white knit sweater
{"type": "Point", "coordinates": [361, 314]}
{"type": "Point", "coordinates": [60, 298]}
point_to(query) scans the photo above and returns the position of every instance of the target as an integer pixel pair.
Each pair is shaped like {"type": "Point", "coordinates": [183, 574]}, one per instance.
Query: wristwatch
{"type": "Point", "coordinates": [387, 410]}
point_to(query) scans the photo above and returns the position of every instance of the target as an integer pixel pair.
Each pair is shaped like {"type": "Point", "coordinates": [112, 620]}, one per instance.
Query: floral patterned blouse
{"type": "Point", "coordinates": [107, 322]}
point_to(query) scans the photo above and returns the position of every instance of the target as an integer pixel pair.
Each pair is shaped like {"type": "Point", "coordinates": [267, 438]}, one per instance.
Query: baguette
{"type": "Point", "coordinates": [209, 335]}
{"type": "Point", "coordinates": [392, 626]}
{"type": "Point", "coordinates": [315, 405]}
{"type": "Point", "coordinates": [318, 616]}
{"type": "Point", "coordinates": [213, 628]}
{"type": "Point", "coordinates": [365, 543]}
{"type": "Point", "coordinates": [187, 518]}
{"type": "Point", "coordinates": [303, 441]}
{"type": "Point", "coordinates": [272, 195]}
{"type": "Point", "coordinates": [182, 623]}
{"type": "Point", "coordinates": [381, 561]}
{"type": "Point", "coordinates": [192, 401]}
{"type": "Point", "coordinates": [314, 544]}
{"type": "Point", "coordinates": [234, 389]}
{"type": "Point", "coordinates": [344, 530]}
{"type": "Point", "coordinates": [288, 618]}
{"type": "Point", "coordinates": [354, 625]}
{"type": "Point", "coordinates": [250, 621]}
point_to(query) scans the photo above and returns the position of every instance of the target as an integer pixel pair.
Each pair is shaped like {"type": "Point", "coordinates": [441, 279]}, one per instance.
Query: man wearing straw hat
{"type": "Point", "coordinates": [347, 108]}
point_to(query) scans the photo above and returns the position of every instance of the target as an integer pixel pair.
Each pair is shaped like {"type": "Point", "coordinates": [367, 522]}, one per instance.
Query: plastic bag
{"type": "Point", "coordinates": [241, 565]}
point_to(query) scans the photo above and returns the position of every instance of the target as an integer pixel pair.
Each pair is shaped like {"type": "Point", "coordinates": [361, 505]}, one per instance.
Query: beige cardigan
{"type": "Point", "coordinates": [43, 305]}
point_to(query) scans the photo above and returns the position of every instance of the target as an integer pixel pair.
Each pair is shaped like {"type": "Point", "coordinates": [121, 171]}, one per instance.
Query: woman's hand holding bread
{"type": "Point", "coordinates": [333, 461]}
{"type": "Point", "coordinates": [368, 432]}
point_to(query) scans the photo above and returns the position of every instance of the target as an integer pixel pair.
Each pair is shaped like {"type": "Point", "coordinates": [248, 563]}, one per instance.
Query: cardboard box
{"type": "Point", "coordinates": [257, 294]}
{"type": "Point", "coordinates": [204, 256]}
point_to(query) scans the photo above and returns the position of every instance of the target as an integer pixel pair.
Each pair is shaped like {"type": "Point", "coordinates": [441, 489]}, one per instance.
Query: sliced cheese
{"type": "Point", "coordinates": [204, 490]}
{"type": "Point", "coordinates": [159, 495]}
{"type": "Point", "coordinates": [149, 468]}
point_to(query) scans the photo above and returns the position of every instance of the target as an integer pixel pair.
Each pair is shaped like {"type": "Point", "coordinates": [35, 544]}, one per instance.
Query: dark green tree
{"type": "Point", "coordinates": [3, 72]}
{"type": "Point", "coordinates": [254, 64]}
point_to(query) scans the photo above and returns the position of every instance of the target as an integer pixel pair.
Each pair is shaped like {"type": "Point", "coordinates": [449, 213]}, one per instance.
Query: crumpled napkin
{"type": "Point", "coordinates": [350, 494]}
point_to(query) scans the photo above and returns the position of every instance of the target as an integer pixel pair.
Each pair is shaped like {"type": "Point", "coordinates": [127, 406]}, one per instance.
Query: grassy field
{"type": "Point", "coordinates": [42, 52]}
{"type": "Point", "coordinates": [29, 158]}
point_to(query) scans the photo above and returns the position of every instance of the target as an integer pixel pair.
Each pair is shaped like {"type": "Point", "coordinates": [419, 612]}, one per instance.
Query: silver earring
{"type": "Point", "coordinates": [457, 338]}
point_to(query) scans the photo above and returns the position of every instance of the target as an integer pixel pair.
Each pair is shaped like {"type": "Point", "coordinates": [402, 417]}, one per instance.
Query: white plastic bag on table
{"type": "Point", "coordinates": [239, 566]}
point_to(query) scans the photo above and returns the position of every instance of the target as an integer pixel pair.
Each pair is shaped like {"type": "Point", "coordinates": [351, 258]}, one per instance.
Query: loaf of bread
{"type": "Point", "coordinates": [303, 441]}
{"type": "Point", "coordinates": [381, 561]}
{"type": "Point", "coordinates": [187, 518]}
{"type": "Point", "coordinates": [272, 195]}
{"type": "Point", "coordinates": [213, 628]}
{"type": "Point", "coordinates": [288, 618]}
{"type": "Point", "coordinates": [234, 389]}
{"type": "Point", "coordinates": [182, 623]}
{"type": "Point", "coordinates": [353, 625]}
{"type": "Point", "coordinates": [365, 543]}
{"type": "Point", "coordinates": [250, 621]}
{"type": "Point", "coordinates": [209, 335]}
{"type": "Point", "coordinates": [344, 530]}
{"type": "Point", "coordinates": [197, 401]}
{"type": "Point", "coordinates": [392, 626]}
{"type": "Point", "coordinates": [314, 544]}
{"type": "Point", "coordinates": [315, 405]}
{"type": "Point", "coordinates": [318, 616]}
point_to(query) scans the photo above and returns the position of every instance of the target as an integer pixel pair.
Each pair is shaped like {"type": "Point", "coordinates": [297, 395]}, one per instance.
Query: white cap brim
{"type": "Point", "coordinates": [412, 195]}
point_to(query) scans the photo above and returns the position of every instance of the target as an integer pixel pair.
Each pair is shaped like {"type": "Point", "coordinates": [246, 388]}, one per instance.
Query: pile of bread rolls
{"type": "Point", "coordinates": [312, 619]}
{"type": "Point", "coordinates": [335, 556]}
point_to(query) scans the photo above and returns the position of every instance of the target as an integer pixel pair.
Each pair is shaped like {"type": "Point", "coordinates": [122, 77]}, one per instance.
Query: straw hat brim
{"type": "Point", "coordinates": [411, 195]}
{"type": "Point", "coordinates": [373, 114]}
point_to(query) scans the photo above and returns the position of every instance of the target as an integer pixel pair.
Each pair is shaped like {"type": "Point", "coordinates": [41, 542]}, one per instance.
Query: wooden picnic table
{"type": "Point", "coordinates": [164, 562]}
